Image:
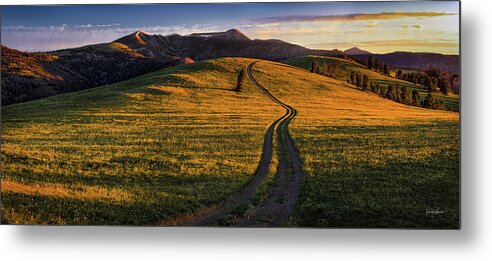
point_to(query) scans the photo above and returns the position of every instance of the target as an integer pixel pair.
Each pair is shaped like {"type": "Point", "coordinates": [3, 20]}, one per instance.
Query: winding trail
{"type": "Point", "coordinates": [283, 195]}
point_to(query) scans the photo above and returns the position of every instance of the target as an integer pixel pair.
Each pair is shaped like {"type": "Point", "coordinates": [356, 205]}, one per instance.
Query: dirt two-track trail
{"type": "Point", "coordinates": [282, 195]}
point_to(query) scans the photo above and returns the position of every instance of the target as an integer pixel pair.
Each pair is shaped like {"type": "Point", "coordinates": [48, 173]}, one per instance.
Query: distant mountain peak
{"type": "Point", "coordinates": [235, 32]}
{"type": "Point", "coordinates": [138, 36]}
{"type": "Point", "coordinates": [232, 34]}
{"type": "Point", "coordinates": [133, 39]}
{"type": "Point", "coordinates": [141, 33]}
{"type": "Point", "coordinates": [356, 51]}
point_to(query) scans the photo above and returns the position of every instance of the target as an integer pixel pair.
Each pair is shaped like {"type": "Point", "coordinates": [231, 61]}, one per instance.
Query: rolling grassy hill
{"type": "Point", "coordinates": [345, 67]}
{"type": "Point", "coordinates": [368, 161]}
{"type": "Point", "coordinates": [137, 152]}
{"type": "Point", "coordinates": [28, 76]}
{"type": "Point", "coordinates": [166, 144]}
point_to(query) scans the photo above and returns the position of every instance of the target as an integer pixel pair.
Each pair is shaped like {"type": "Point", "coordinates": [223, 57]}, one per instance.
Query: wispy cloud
{"type": "Point", "coordinates": [113, 28]}
{"type": "Point", "coordinates": [47, 38]}
{"type": "Point", "coordinates": [372, 25]}
{"type": "Point", "coordinates": [441, 45]}
{"type": "Point", "coordinates": [348, 17]}
{"type": "Point", "coordinates": [416, 26]}
{"type": "Point", "coordinates": [300, 29]}
{"type": "Point", "coordinates": [97, 25]}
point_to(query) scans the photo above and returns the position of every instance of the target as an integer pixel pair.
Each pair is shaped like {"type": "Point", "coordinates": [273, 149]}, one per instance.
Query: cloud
{"type": "Point", "coordinates": [288, 28]}
{"type": "Point", "coordinates": [438, 45]}
{"type": "Point", "coordinates": [416, 26]}
{"type": "Point", "coordinates": [96, 25]}
{"type": "Point", "coordinates": [114, 28]}
{"type": "Point", "coordinates": [48, 38]}
{"type": "Point", "coordinates": [275, 31]}
{"type": "Point", "coordinates": [348, 17]}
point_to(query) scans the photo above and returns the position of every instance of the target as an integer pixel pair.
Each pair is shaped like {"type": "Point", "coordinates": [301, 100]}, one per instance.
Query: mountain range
{"type": "Point", "coordinates": [356, 51]}
{"type": "Point", "coordinates": [418, 61]}
{"type": "Point", "coordinates": [27, 76]}
{"type": "Point", "coordinates": [203, 46]}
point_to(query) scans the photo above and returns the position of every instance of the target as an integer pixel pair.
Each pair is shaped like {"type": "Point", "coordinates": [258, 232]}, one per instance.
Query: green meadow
{"type": "Point", "coordinates": [344, 68]}
{"type": "Point", "coordinates": [138, 152]}
{"type": "Point", "coordinates": [168, 144]}
{"type": "Point", "coordinates": [368, 161]}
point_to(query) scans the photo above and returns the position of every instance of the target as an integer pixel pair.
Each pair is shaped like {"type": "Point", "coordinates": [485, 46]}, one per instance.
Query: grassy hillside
{"type": "Point", "coordinates": [345, 68]}
{"type": "Point", "coordinates": [170, 142]}
{"type": "Point", "coordinates": [29, 76]}
{"type": "Point", "coordinates": [105, 47]}
{"type": "Point", "coordinates": [368, 161]}
{"type": "Point", "coordinates": [137, 152]}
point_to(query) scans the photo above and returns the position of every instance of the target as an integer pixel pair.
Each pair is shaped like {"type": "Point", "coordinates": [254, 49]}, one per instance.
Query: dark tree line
{"type": "Point", "coordinates": [323, 69]}
{"type": "Point", "coordinates": [360, 80]}
{"type": "Point", "coordinates": [374, 64]}
{"type": "Point", "coordinates": [432, 79]}
{"type": "Point", "coordinates": [395, 92]}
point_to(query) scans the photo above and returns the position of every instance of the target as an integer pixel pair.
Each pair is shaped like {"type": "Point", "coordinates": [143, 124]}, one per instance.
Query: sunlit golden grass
{"type": "Point", "coordinates": [174, 141]}
{"type": "Point", "coordinates": [114, 46]}
{"type": "Point", "coordinates": [369, 162]}
{"type": "Point", "coordinates": [68, 191]}
{"type": "Point", "coordinates": [345, 68]}
{"type": "Point", "coordinates": [180, 139]}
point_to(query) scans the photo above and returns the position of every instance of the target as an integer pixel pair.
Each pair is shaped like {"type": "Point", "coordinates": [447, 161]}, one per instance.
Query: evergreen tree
{"type": "Point", "coordinates": [352, 77]}
{"type": "Point", "coordinates": [432, 103]}
{"type": "Point", "coordinates": [397, 96]}
{"type": "Point", "coordinates": [427, 103]}
{"type": "Point", "coordinates": [415, 98]}
{"type": "Point", "coordinates": [434, 84]}
{"type": "Point", "coordinates": [390, 93]}
{"type": "Point", "coordinates": [414, 78]}
{"type": "Point", "coordinates": [404, 95]}
{"type": "Point", "coordinates": [240, 79]}
{"type": "Point", "coordinates": [385, 69]}
{"type": "Point", "coordinates": [365, 82]}
{"type": "Point", "coordinates": [399, 74]}
{"type": "Point", "coordinates": [427, 82]}
{"type": "Point", "coordinates": [358, 82]}
{"type": "Point", "coordinates": [444, 86]}
{"type": "Point", "coordinates": [313, 66]}
{"type": "Point", "coordinates": [369, 62]}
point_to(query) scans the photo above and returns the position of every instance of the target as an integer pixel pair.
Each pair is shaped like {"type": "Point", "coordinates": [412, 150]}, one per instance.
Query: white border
{"type": "Point", "coordinates": [471, 243]}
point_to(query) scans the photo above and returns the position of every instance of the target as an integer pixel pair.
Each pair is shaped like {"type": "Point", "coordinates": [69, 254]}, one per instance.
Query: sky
{"type": "Point", "coordinates": [378, 27]}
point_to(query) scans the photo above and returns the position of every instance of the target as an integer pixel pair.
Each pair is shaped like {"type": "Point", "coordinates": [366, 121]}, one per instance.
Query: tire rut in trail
{"type": "Point", "coordinates": [209, 215]}
{"type": "Point", "coordinates": [245, 195]}
{"type": "Point", "coordinates": [268, 213]}
{"type": "Point", "coordinates": [284, 194]}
